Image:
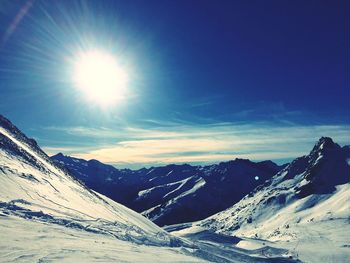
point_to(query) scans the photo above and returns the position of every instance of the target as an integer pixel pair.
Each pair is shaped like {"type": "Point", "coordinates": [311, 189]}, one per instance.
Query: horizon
{"type": "Point", "coordinates": [280, 162]}
{"type": "Point", "coordinates": [202, 83]}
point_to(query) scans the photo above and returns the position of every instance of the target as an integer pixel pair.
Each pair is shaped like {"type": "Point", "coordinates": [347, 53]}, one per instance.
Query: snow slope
{"type": "Point", "coordinates": [174, 193]}
{"type": "Point", "coordinates": [24, 240]}
{"type": "Point", "coordinates": [304, 208]}
{"type": "Point", "coordinates": [46, 213]}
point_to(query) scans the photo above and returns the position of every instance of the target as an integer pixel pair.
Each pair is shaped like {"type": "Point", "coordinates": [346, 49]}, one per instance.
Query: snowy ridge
{"type": "Point", "coordinates": [52, 192]}
{"type": "Point", "coordinates": [305, 207]}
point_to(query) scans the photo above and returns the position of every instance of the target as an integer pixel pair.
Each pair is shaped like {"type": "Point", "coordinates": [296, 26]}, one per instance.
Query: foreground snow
{"type": "Point", "coordinates": [31, 241]}
{"type": "Point", "coordinates": [317, 242]}
{"type": "Point", "coordinates": [223, 248]}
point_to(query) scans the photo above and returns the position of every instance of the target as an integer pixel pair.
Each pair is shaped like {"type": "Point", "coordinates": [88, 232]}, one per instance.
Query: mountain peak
{"type": "Point", "coordinates": [5, 123]}
{"type": "Point", "coordinates": [325, 143]}
{"type": "Point", "coordinates": [324, 139]}
{"type": "Point", "coordinates": [58, 155]}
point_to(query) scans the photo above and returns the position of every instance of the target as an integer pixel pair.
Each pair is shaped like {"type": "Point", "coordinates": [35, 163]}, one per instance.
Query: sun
{"type": "Point", "coordinates": [99, 76]}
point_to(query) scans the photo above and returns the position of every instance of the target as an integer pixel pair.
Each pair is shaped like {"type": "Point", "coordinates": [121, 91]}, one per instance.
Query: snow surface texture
{"type": "Point", "coordinates": [305, 208]}
{"type": "Point", "coordinates": [24, 240]}
{"type": "Point", "coordinates": [174, 193]}
{"type": "Point", "coordinates": [45, 214]}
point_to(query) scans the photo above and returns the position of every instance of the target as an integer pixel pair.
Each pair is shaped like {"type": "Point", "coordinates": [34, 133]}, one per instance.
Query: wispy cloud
{"type": "Point", "coordinates": [87, 131]}
{"type": "Point", "coordinates": [205, 143]}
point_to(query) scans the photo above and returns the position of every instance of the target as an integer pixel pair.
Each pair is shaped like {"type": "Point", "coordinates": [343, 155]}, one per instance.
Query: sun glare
{"type": "Point", "coordinates": [98, 75]}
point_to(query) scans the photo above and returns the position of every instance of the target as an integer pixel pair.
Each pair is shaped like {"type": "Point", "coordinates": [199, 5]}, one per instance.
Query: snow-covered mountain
{"type": "Point", "coordinates": [304, 208]}
{"type": "Point", "coordinates": [47, 215]}
{"type": "Point", "coordinates": [174, 193]}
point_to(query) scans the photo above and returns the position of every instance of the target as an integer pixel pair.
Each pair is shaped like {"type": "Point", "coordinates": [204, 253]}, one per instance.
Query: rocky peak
{"type": "Point", "coordinates": [323, 144]}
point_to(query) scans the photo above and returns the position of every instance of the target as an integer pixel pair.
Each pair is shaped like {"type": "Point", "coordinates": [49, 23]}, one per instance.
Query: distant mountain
{"type": "Point", "coordinates": [47, 215]}
{"type": "Point", "coordinates": [305, 207]}
{"type": "Point", "coordinates": [174, 193]}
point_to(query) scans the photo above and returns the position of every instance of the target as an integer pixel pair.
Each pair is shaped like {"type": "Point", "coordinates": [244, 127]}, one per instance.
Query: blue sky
{"type": "Point", "coordinates": [208, 80]}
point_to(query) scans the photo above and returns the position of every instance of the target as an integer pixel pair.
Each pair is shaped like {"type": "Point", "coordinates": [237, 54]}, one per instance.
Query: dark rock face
{"type": "Point", "coordinates": [327, 167]}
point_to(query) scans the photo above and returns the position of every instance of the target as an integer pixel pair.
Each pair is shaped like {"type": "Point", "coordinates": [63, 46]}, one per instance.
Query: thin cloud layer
{"type": "Point", "coordinates": [202, 143]}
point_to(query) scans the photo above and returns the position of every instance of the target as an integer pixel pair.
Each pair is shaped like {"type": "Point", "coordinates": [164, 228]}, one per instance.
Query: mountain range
{"type": "Point", "coordinates": [173, 194]}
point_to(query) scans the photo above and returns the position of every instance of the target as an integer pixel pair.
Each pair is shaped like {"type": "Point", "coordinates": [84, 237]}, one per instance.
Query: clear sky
{"type": "Point", "coordinates": [207, 80]}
